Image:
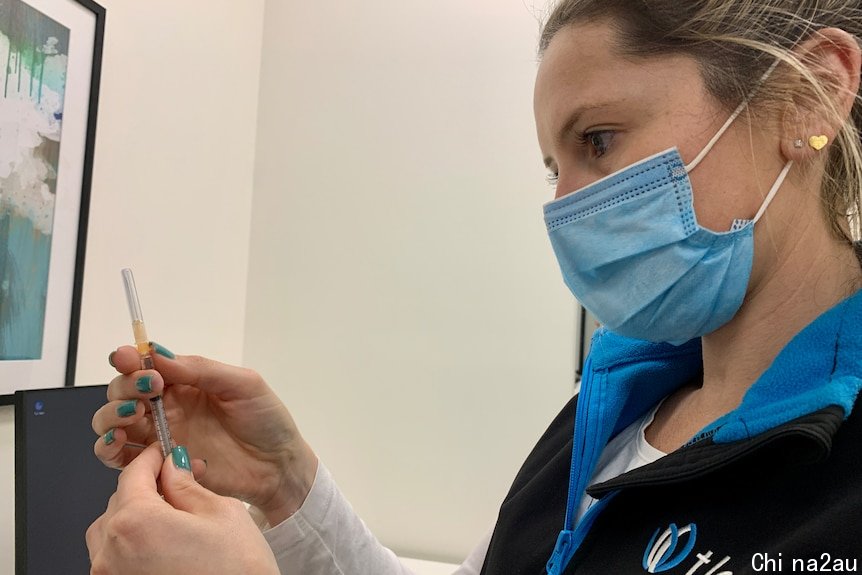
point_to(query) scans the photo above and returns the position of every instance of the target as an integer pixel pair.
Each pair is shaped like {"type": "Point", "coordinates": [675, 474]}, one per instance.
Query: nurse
{"type": "Point", "coordinates": [708, 169]}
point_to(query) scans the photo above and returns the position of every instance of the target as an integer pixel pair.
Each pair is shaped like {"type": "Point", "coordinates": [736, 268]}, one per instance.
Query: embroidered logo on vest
{"type": "Point", "coordinates": [668, 550]}
{"type": "Point", "coordinates": [661, 554]}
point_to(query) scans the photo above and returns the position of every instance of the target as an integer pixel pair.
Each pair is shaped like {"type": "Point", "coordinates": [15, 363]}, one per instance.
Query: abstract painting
{"type": "Point", "coordinates": [50, 60]}
{"type": "Point", "coordinates": [31, 126]}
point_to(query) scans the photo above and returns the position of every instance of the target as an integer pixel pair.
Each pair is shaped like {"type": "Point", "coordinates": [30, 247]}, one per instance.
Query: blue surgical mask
{"type": "Point", "coordinates": [632, 252]}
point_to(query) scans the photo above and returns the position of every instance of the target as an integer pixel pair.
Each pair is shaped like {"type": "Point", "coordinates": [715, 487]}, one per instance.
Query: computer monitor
{"type": "Point", "coordinates": [587, 324]}
{"type": "Point", "coordinates": [60, 486]}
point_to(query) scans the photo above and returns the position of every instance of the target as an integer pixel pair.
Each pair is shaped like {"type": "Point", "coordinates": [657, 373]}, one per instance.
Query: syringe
{"type": "Point", "coordinates": [142, 342]}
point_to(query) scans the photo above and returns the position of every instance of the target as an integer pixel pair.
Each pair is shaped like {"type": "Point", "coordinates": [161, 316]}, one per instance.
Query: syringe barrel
{"type": "Point", "coordinates": [157, 408]}
{"type": "Point", "coordinates": [160, 421]}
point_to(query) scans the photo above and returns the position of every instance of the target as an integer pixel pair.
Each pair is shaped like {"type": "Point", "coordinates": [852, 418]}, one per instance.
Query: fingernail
{"type": "Point", "coordinates": [111, 358]}
{"type": "Point", "coordinates": [127, 408]}
{"type": "Point", "coordinates": [181, 458]}
{"type": "Point", "coordinates": [143, 384]}
{"type": "Point", "coordinates": [163, 351]}
{"type": "Point", "coordinates": [109, 437]}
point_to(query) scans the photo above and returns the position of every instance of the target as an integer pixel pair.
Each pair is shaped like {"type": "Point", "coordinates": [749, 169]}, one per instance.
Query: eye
{"type": "Point", "coordinates": [552, 179]}
{"type": "Point", "coordinates": [598, 141]}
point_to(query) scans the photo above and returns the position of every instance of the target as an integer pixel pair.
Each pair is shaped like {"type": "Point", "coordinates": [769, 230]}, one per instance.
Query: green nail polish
{"type": "Point", "coordinates": [127, 408]}
{"type": "Point", "coordinates": [163, 351]}
{"type": "Point", "coordinates": [181, 458]}
{"type": "Point", "coordinates": [111, 358]}
{"type": "Point", "coordinates": [109, 437]}
{"type": "Point", "coordinates": [143, 384]}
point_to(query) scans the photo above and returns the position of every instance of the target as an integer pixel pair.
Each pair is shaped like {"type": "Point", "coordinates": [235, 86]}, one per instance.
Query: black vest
{"type": "Point", "coordinates": [786, 501]}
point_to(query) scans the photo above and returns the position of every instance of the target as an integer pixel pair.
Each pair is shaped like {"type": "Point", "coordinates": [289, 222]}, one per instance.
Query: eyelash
{"type": "Point", "coordinates": [586, 139]}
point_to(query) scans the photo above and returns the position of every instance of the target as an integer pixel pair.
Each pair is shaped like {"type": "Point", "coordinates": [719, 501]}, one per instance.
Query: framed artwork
{"type": "Point", "coordinates": [50, 62]}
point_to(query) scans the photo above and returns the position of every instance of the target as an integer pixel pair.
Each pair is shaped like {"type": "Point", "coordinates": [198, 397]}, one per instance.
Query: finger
{"type": "Point", "coordinates": [109, 448]}
{"type": "Point", "coordinates": [125, 359]}
{"type": "Point", "coordinates": [140, 384]}
{"type": "Point", "coordinates": [138, 479]}
{"type": "Point", "coordinates": [199, 469]}
{"type": "Point", "coordinates": [220, 379]}
{"type": "Point", "coordinates": [94, 537]}
{"type": "Point", "coordinates": [139, 434]}
{"type": "Point", "coordinates": [114, 450]}
{"type": "Point", "coordinates": [118, 414]}
{"type": "Point", "coordinates": [179, 486]}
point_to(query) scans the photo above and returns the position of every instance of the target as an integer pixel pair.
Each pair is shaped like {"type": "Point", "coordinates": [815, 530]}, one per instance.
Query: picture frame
{"type": "Point", "coordinates": [50, 68]}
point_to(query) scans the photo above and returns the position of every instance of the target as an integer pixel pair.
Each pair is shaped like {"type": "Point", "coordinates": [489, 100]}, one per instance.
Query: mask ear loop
{"type": "Point", "coordinates": [781, 177]}
{"type": "Point", "coordinates": [772, 191]}
{"type": "Point", "coordinates": [694, 163]}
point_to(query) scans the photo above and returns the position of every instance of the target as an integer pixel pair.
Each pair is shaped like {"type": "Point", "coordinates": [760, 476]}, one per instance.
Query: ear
{"type": "Point", "coordinates": [834, 58]}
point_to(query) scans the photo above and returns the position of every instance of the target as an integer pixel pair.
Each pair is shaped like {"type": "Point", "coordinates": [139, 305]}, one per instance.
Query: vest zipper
{"type": "Point", "coordinates": [585, 452]}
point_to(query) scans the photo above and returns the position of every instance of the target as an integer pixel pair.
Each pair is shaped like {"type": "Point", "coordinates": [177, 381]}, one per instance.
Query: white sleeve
{"type": "Point", "coordinates": [473, 564]}
{"type": "Point", "coordinates": [326, 537]}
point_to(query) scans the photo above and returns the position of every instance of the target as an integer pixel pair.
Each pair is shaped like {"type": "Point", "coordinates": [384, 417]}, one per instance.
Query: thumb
{"type": "Point", "coordinates": [210, 376]}
{"type": "Point", "coordinates": [179, 486]}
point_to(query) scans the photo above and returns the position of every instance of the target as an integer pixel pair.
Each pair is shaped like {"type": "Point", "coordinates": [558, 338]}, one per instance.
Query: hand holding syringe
{"type": "Point", "coordinates": [142, 342]}
{"type": "Point", "coordinates": [246, 442]}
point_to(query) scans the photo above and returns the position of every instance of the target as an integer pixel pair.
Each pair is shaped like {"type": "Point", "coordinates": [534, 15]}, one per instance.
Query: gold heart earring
{"type": "Point", "coordinates": [818, 142]}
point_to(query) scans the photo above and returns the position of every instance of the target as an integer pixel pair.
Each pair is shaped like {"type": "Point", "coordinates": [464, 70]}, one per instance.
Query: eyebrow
{"type": "Point", "coordinates": [573, 119]}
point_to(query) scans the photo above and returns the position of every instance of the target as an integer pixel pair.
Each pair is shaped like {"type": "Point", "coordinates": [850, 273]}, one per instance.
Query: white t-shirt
{"type": "Point", "coordinates": [326, 537]}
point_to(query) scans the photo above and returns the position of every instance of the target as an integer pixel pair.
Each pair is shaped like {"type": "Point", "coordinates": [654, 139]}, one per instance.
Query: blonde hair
{"type": "Point", "coordinates": [734, 42]}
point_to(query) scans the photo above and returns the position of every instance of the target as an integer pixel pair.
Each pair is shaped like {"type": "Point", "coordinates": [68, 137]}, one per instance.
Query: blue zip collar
{"type": "Point", "coordinates": [623, 378]}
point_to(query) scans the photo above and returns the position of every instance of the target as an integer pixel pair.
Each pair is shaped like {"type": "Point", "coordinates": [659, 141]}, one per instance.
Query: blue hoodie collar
{"type": "Point", "coordinates": [622, 378]}
{"type": "Point", "coordinates": [819, 367]}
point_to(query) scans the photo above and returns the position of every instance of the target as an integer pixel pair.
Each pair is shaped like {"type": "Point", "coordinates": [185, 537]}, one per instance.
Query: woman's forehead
{"type": "Point", "coordinates": [575, 54]}
{"type": "Point", "coordinates": [583, 67]}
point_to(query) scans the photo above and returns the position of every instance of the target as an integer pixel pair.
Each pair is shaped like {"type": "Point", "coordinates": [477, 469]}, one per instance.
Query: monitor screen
{"type": "Point", "coordinates": [60, 486]}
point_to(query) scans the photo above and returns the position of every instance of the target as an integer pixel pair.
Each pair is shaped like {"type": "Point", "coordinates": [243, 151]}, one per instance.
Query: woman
{"type": "Point", "coordinates": [708, 169]}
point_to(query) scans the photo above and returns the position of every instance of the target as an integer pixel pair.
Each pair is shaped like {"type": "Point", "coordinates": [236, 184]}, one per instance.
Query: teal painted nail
{"type": "Point", "coordinates": [111, 358]}
{"type": "Point", "coordinates": [109, 437]}
{"type": "Point", "coordinates": [127, 408]}
{"type": "Point", "coordinates": [163, 351]}
{"type": "Point", "coordinates": [143, 384]}
{"type": "Point", "coordinates": [181, 458]}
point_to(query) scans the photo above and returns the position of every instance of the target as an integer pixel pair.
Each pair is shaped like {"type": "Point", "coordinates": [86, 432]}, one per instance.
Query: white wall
{"type": "Point", "coordinates": [403, 297]}
{"type": "Point", "coordinates": [171, 192]}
